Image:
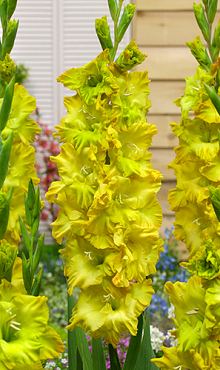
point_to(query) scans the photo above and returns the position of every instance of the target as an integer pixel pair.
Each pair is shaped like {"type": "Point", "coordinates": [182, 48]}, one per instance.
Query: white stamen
{"type": "Point", "coordinates": [120, 199]}
{"type": "Point", "coordinates": [14, 326]}
{"type": "Point", "coordinates": [132, 146]}
{"type": "Point", "coordinates": [197, 221]}
{"type": "Point", "coordinates": [85, 169]}
{"type": "Point", "coordinates": [125, 92]}
{"type": "Point", "coordinates": [193, 312]}
{"type": "Point", "coordinates": [88, 254]}
{"type": "Point", "coordinates": [107, 297]}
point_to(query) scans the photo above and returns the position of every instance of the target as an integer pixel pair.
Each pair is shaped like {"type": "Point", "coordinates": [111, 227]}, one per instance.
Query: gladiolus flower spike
{"type": "Point", "coordinates": [196, 203]}
{"type": "Point", "coordinates": [108, 211]}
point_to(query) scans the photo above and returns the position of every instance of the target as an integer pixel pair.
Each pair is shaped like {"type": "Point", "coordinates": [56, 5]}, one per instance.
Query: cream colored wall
{"type": "Point", "coordinates": [161, 28]}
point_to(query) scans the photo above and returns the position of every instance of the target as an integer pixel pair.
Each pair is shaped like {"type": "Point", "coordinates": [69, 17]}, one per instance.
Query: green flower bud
{"type": "Point", "coordinates": [25, 234]}
{"type": "Point", "coordinates": [130, 57]}
{"type": "Point", "coordinates": [216, 37]}
{"type": "Point", "coordinates": [206, 262]}
{"type": "Point", "coordinates": [113, 7]}
{"type": "Point", "coordinates": [31, 195]}
{"type": "Point", "coordinates": [215, 199]}
{"type": "Point", "coordinates": [7, 257]}
{"type": "Point", "coordinates": [7, 69]}
{"type": "Point", "coordinates": [212, 8]}
{"type": "Point", "coordinates": [35, 226]}
{"type": "Point", "coordinates": [201, 20]}
{"type": "Point", "coordinates": [8, 41]}
{"type": "Point", "coordinates": [37, 283]}
{"type": "Point", "coordinates": [38, 252]}
{"type": "Point", "coordinates": [200, 53]}
{"type": "Point", "coordinates": [103, 32]}
{"type": "Point", "coordinates": [37, 204]}
{"type": "Point", "coordinates": [5, 203]}
{"type": "Point", "coordinates": [125, 20]}
{"type": "Point", "coordinates": [26, 273]}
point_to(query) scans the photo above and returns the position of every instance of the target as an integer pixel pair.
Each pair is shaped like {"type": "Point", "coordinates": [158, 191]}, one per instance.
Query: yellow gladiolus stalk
{"type": "Point", "coordinates": [197, 166]}
{"type": "Point", "coordinates": [22, 158]}
{"type": "Point", "coordinates": [108, 211]}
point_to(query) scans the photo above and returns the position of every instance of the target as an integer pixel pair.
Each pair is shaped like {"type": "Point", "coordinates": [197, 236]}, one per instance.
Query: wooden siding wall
{"type": "Point", "coordinates": [161, 28]}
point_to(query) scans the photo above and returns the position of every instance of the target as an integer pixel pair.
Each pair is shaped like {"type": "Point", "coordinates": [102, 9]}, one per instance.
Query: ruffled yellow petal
{"type": "Point", "coordinates": [173, 359]}
{"type": "Point", "coordinates": [23, 128]}
{"type": "Point", "coordinates": [107, 316]}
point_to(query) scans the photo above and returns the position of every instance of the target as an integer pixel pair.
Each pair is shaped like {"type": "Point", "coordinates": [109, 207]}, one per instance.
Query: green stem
{"type": "Point", "coordinates": [115, 31]}
{"type": "Point", "coordinates": [209, 42]}
{"type": "Point", "coordinates": [31, 260]}
{"type": "Point", "coordinates": [72, 345]}
{"type": "Point", "coordinates": [210, 34]}
{"type": "Point", "coordinates": [114, 360]}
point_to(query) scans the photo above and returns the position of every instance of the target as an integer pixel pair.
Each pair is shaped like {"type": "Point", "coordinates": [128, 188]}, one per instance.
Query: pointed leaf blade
{"type": "Point", "coordinates": [98, 355]}
{"type": "Point", "coordinates": [134, 347]}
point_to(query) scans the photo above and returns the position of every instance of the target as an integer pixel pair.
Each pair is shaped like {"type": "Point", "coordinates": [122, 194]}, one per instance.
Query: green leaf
{"type": "Point", "coordinates": [5, 203]}
{"type": "Point", "coordinates": [72, 342]}
{"type": "Point", "coordinates": [35, 291]}
{"type": "Point", "coordinates": [83, 348]}
{"type": "Point", "coordinates": [27, 211]}
{"type": "Point", "coordinates": [146, 353]}
{"type": "Point", "coordinates": [114, 360]}
{"type": "Point", "coordinates": [11, 8]}
{"type": "Point", "coordinates": [77, 339]}
{"type": "Point", "coordinates": [26, 274]}
{"type": "Point", "coordinates": [79, 365]}
{"type": "Point", "coordinates": [215, 98]}
{"type": "Point", "coordinates": [38, 252]}
{"type": "Point", "coordinates": [4, 158]}
{"type": "Point", "coordinates": [6, 104]}
{"type": "Point", "coordinates": [134, 347]}
{"type": "Point", "coordinates": [98, 355]}
{"type": "Point", "coordinates": [25, 234]}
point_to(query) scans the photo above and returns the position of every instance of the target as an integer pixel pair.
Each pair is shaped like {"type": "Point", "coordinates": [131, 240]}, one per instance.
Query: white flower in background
{"type": "Point", "coordinates": [157, 338]}
{"type": "Point", "coordinates": [171, 311]}
{"type": "Point", "coordinates": [171, 338]}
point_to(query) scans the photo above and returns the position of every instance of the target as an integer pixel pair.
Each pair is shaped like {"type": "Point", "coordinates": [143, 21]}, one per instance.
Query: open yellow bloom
{"type": "Point", "coordinates": [109, 316]}
{"type": "Point", "coordinates": [25, 337]}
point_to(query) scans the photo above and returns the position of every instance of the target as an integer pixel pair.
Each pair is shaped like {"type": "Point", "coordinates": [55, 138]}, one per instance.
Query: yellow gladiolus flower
{"type": "Point", "coordinates": [25, 337]}
{"type": "Point", "coordinates": [109, 316]}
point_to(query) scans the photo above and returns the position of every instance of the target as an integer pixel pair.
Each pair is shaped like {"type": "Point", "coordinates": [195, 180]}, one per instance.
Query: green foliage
{"type": "Point", "coordinates": [21, 73]}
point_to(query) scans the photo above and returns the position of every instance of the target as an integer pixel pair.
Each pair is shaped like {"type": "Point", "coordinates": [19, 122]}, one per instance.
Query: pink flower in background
{"type": "Point", "coordinates": [46, 145]}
